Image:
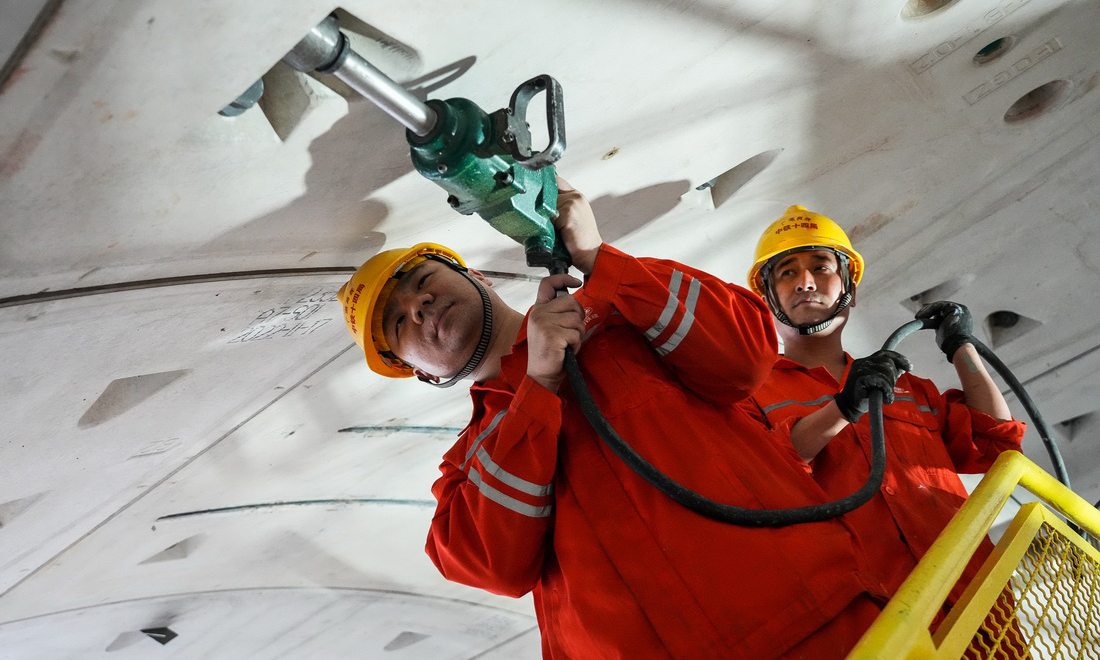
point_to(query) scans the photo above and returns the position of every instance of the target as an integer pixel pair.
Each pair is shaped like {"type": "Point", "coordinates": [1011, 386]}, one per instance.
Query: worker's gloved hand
{"type": "Point", "coordinates": [878, 371]}
{"type": "Point", "coordinates": [953, 323]}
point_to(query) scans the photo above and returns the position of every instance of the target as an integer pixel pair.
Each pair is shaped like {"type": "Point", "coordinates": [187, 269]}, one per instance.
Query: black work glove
{"type": "Point", "coordinates": [953, 323]}
{"type": "Point", "coordinates": [878, 371]}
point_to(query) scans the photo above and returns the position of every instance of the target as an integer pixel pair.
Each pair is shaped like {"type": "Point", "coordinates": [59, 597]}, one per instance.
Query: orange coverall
{"type": "Point", "coordinates": [930, 439]}
{"type": "Point", "coordinates": [531, 499]}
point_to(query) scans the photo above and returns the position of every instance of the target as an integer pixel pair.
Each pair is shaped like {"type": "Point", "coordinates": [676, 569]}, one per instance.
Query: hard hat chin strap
{"type": "Point", "coordinates": [486, 327]}
{"type": "Point", "coordinates": [806, 329]}
{"type": "Point", "coordinates": [777, 310]}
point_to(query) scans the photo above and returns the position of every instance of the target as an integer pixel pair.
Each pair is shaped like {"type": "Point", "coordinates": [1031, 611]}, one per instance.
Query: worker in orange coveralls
{"type": "Point", "coordinates": [807, 271]}
{"type": "Point", "coordinates": [531, 500]}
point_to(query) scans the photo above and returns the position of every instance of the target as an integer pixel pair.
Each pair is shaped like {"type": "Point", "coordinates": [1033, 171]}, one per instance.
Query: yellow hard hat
{"type": "Point", "coordinates": [364, 298]}
{"type": "Point", "coordinates": [802, 229]}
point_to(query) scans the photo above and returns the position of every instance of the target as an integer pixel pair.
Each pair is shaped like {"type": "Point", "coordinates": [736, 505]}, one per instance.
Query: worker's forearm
{"type": "Point", "coordinates": [980, 391]}
{"type": "Point", "coordinates": [810, 434]}
{"type": "Point", "coordinates": [719, 339]}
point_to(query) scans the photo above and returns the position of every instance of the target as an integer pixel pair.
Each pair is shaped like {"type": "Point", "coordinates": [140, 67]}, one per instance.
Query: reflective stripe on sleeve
{"type": "Point", "coordinates": [520, 484]}
{"type": "Point", "coordinates": [506, 501]}
{"type": "Point", "coordinates": [481, 436]}
{"type": "Point", "coordinates": [670, 307]}
{"type": "Point", "coordinates": [927, 409]}
{"type": "Point", "coordinates": [686, 322]}
{"type": "Point", "coordinates": [829, 397]}
{"type": "Point", "coordinates": [822, 399]}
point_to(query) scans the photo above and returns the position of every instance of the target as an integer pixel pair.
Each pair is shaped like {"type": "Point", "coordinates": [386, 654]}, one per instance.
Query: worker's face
{"type": "Point", "coordinates": [433, 319]}
{"type": "Point", "coordinates": [808, 285]}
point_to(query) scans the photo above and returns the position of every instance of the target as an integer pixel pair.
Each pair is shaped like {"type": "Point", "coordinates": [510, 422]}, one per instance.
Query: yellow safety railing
{"type": "Point", "coordinates": [1037, 596]}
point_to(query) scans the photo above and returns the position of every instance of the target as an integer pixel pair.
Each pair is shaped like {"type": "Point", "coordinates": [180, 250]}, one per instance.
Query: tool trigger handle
{"type": "Point", "coordinates": [515, 138]}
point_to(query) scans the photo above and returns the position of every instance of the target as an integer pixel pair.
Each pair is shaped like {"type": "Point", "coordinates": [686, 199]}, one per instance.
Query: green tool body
{"type": "Point", "coordinates": [484, 162]}
{"type": "Point", "coordinates": [480, 161]}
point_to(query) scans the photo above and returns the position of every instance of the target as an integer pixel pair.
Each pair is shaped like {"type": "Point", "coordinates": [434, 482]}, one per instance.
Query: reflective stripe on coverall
{"type": "Point", "coordinates": [930, 439]}
{"type": "Point", "coordinates": [531, 499]}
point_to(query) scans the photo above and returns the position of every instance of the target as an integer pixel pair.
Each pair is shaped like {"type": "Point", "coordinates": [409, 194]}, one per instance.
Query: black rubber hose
{"type": "Point", "coordinates": [1033, 412]}
{"type": "Point", "coordinates": [1017, 388]}
{"type": "Point", "coordinates": [726, 513]}
{"type": "Point", "coordinates": [904, 331]}
{"type": "Point", "coordinates": [1041, 427]}
{"type": "Point", "coordinates": [813, 513]}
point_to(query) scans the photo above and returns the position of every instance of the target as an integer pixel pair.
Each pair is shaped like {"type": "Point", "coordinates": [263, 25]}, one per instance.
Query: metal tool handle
{"type": "Point", "coordinates": [514, 135]}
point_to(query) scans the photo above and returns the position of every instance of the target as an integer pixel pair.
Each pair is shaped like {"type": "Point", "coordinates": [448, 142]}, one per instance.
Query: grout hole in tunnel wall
{"type": "Point", "coordinates": [1081, 426]}
{"type": "Point", "coordinates": [123, 394]}
{"type": "Point", "coordinates": [1038, 101]}
{"type": "Point", "coordinates": [994, 49]}
{"type": "Point", "coordinates": [11, 510]}
{"type": "Point", "coordinates": [918, 8]}
{"type": "Point", "coordinates": [180, 550]}
{"type": "Point", "coordinates": [161, 635]}
{"type": "Point", "coordinates": [1004, 325]}
{"type": "Point", "coordinates": [946, 290]}
{"type": "Point", "coordinates": [726, 184]}
{"type": "Point", "coordinates": [405, 639]}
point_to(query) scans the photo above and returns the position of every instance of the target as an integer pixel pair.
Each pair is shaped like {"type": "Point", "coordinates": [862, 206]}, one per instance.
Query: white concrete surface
{"type": "Point", "coordinates": [304, 479]}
